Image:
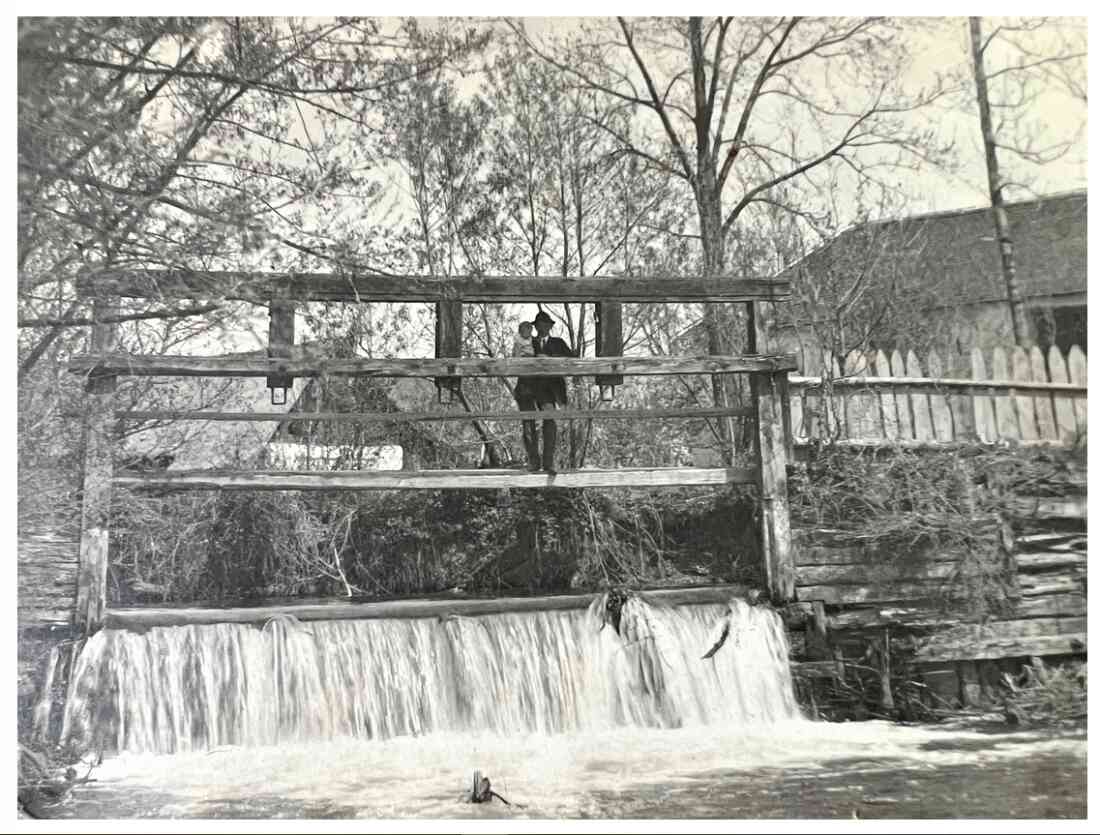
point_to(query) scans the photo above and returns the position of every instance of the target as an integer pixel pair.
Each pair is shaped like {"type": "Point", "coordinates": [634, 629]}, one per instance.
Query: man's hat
{"type": "Point", "coordinates": [543, 316]}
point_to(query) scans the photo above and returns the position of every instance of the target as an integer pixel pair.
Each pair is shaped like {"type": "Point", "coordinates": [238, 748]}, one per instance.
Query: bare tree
{"type": "Point", "coordinates": [1027, 65]}
{"type": "Point", "coordinates": [736, 107]}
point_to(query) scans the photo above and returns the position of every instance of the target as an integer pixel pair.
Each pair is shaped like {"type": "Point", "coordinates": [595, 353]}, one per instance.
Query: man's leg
{"type": "Point", "coordinates": [549, 437]}
{"type": "Point", "coordinates": [527, 403]}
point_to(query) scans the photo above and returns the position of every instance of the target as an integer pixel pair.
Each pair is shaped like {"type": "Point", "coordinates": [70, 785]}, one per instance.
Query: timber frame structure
{"type": "Point", "coordinates": [281, 292]}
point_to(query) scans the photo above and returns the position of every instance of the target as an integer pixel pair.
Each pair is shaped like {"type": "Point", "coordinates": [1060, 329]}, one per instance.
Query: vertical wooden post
{"type": "Point", "coordinates": [91, 590]}
{"type": "Point", "coordinates": [817, 633]}
{"type": "Point", "coordinates": [448, 343]}
{"type": "Point", "coordinates": [280, 340]}
{"type": "Point", "coordinates": [609, 342]}
{"type": "Point", "coordinates": [774, 510]}
{"type": "Point", "coordinates": [887, 695]}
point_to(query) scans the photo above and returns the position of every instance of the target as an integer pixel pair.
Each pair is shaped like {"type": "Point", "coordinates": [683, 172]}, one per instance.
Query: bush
{"type": "Point", "coordinates": [192, 547]}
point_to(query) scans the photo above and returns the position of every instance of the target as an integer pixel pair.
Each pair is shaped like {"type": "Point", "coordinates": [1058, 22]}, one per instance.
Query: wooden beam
{"type": "Point", "coordinates": [778, 549]}
{"type": "Point", "coordinates": [922, 385]}
{"type": "Point", "coordinates": [874, 572]}
{"type": "Point", "coordinates": [417, 417]}
{"type": "Point", "coordinates": [332, 287]}
{"type": "Point", "coordinates": [238, 366]}
{"type": "Point", "coordinates": [879, 592]}
{"type": "Point", "coordinates": [908, 615]}
{"type": "Point", "coordinates": [429, 479]}
{"type": "Point", "coordinates": [146, 618]}
{"type": "Point", "coordinates": [1006, 639]}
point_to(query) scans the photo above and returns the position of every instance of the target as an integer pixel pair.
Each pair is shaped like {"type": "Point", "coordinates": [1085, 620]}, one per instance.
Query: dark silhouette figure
{"type": "Point", "coordinates": [542, 394]}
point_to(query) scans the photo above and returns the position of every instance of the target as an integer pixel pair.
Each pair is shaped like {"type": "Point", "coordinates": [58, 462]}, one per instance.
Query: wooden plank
{"type": "Point", "coordinates": [1079, 374]}
{"type": "Point", "coordinates": [1005, 639]}
{"type": "Point", "coordinates": [922, 415]}
{"type": "Point", "coordinates": [1046, 560]}
{"type": "Point", "coordinates": [942, 416]}
{"type": "Point", "coordinates": [796, 415]}
{"type": "Point", "coordinates": [874, 572]}
{"type": "Point", "coordinates": [1053, 541]}
{"type": "Point", "coordinates": [332, 287]}
{"type": "Point", "coordinates": [146, 618]}
{"type": "Point", "coordinates": [813, 416]}
{"type": "Point", "coordinates": [1069, 507]}
{"type": "Point", "coordinates": [1044, 401]}
{"type": "Point", "coordinates": [908, 615]}
{"type": "Point", "coordinates": [779, 568]}
{"type": "Point", "coordinates": [96, 495]}
{"type": "Point", "coordinates": [430, 479]}
{"type": "Point", "coordinates": [1004, 405]}
{"type": "Point", "coordinates": [903, 400]}
{"type": "Point", "coordinates": [1068, 581]}
{"type": "Point", "coordinates": [879, 593]}
{"type": "Point", "coordinates": [985, 420]}
{"type": "Point", "coordinates": [888, 403]}
{"type": "Point", "coordinates": [808, 555]}
{"type": "Point", "coordinates": [228, 366]}
{"type": "Point", "coordinates": [1064, 417]}
{"type": "Point", "coordinates": [418, 417]}
{"type": "Point", "coordinates": [1025, 404]}
{"type": "Point", "coordinates": [863, 415]}
{"type": "Point", "coordinates": [1065, 604]}
{"type": "Point", "coordinates": [784, 393]}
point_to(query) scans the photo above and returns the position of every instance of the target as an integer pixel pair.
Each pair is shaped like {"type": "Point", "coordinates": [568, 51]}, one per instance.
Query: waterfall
{"type": "Point", "coordinates": [44, 703]}
{"type": "Point", "coordinates": [187, 688]}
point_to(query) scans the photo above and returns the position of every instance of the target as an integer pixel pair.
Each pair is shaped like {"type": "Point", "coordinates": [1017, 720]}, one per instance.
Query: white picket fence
{"type": "Point", "coordinates": [1019, 396]}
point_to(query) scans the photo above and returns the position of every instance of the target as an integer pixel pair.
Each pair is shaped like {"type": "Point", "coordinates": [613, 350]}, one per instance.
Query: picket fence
{"type": "Point", "coordinates": [1021, 396]}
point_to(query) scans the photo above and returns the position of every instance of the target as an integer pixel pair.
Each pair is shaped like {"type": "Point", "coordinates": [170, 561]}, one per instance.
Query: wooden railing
{"type": "Point", "coordinates": [1020, 396]}
{"type": "Point", "coordinates": [284, 362]}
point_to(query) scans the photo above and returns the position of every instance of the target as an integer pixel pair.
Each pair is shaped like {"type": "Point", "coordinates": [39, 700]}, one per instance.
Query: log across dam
{"type": "Point", "coordinates": [192, 688]}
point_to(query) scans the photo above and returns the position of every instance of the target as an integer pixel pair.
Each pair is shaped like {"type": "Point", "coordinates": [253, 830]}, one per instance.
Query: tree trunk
{"type": "Point", "coordinates": [714, 320]}
{"type": "Point", "coordinates": [1020, 326]}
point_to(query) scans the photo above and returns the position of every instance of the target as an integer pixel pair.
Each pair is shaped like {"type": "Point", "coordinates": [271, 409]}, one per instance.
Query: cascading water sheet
{"type": "Point", "coordinates": [194, 688]}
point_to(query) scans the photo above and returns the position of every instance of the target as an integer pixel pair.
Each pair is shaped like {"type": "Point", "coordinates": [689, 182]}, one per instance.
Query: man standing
{"type": "Point", "coordinates": [543, 394]}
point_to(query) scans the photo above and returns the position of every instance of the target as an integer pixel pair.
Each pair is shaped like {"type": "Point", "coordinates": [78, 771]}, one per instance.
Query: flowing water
{"type": "Point", "coordinates": [569, 716]}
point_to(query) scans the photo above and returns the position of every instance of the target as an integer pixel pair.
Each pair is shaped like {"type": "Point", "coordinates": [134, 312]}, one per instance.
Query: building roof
{"type": "Point", "coordinates": [956, 255]}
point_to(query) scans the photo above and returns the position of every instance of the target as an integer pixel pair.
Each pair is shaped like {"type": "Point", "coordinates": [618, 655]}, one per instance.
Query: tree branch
{"type": "Point", "coordinates": [69, 322]}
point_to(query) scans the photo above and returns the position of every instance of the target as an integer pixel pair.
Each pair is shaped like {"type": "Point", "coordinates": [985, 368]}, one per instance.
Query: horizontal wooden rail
{"type": "Point", "coordinates": [802, 444]}
{"type": "Point", "coordinates": [332, 287]}
{"type": "Point", "coordinates": [430, 479]}
{"type": "Point", "coordinates": [237, 366]}
{"type": "Point", "coordinates": [145, 618]}
{"type": "Point", "coordinates": [416, 417]}
{"type": "Point", "coordinates": [912, 385]}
